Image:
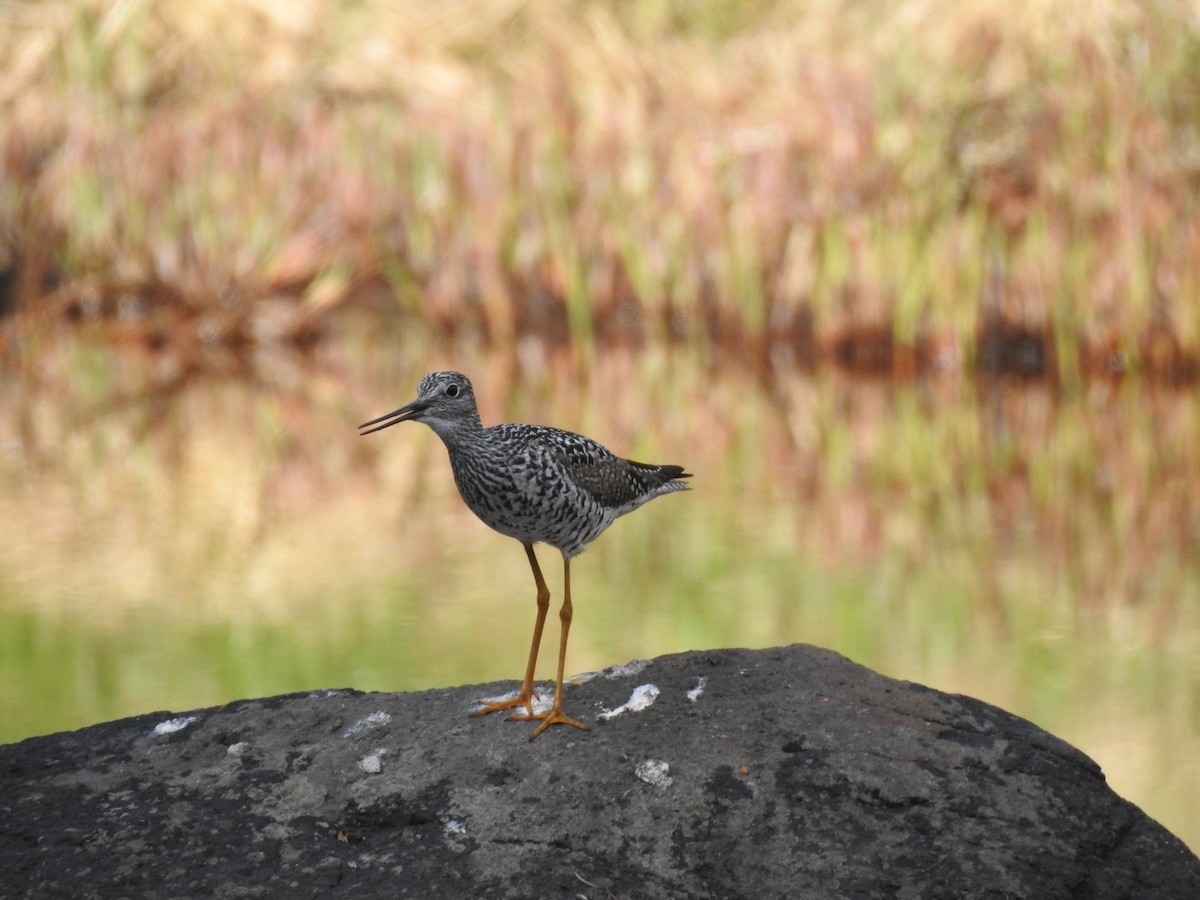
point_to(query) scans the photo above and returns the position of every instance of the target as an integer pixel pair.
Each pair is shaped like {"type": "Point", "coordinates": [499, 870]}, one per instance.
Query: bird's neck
{"type": "Point", "coordinates": [458, 433]}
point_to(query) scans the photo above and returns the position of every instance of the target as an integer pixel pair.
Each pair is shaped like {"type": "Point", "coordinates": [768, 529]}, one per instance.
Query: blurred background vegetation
{"type": "Point", "coordinates": [911, 287]}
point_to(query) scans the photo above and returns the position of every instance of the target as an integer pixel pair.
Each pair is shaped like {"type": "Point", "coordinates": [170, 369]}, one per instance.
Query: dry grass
{"type": "Point", "coordinates": [894, 187]}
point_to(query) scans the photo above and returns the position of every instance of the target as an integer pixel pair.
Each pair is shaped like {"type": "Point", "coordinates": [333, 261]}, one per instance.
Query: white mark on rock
{"type": "Point", "coordinates": [542, 700]}
{"type": "Point", "coordinates": [173, 725]}
{"type": "Point", "coordinates": [655, 772]}
{"type": "Point", "coordinates": [697, 689]}
{"type": "Point", "coordinates": [499, 698]}
{"type": "Point", "coordinates": [643, 697]}
{"type": "Point", "coordinates": [455, 831]}
{"type": "Point", "coordinates": [367, 722]}
{"type": "Point", "coordinates": [633, 667]}
{"type": "Point", "coordinates": [237, 749]}
{"type": "Point", "coordinates": [372, 763]}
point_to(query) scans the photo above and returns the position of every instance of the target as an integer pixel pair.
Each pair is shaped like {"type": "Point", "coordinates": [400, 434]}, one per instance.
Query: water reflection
{"type": "Point", "coordinates": [227, 538]}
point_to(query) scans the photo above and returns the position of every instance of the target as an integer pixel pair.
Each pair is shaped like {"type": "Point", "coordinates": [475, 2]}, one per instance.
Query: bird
{"type": "Point", "coordinates": [536, 484]}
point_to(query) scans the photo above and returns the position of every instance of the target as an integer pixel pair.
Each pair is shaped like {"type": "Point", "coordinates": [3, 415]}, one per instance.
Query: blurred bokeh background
{"type": "Point", "coordinates": [913, 288]}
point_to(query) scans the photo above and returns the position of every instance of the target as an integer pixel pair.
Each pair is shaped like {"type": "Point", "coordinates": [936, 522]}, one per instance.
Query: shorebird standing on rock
{"type": "Point", "coordinates": [533, 483]}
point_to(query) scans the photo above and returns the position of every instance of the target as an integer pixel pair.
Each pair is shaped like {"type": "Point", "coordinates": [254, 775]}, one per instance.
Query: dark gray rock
{"type": "Point", "coordinates": [787, 773]}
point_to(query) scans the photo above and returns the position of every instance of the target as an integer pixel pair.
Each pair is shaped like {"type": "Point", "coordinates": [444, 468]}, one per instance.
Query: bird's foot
{"type": "Point", "coordinates": [555, 716]}
{"type": "Point", "coordinates": [522, 699]}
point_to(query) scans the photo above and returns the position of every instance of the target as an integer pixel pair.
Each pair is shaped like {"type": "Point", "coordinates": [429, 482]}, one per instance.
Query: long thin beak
{"type": "Point", "coordinates": [403, 414]}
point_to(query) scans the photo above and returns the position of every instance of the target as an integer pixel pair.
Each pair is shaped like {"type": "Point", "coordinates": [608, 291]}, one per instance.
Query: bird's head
{"type": "Point", "coordinates": [445, 402]}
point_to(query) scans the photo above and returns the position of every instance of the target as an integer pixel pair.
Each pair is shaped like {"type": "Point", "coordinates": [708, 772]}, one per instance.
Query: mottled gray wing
{"type": "Point", "coordinates": [612, 481]}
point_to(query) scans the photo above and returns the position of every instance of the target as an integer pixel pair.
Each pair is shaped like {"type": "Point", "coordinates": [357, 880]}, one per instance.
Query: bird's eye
{"type": "Point", "coordinates": [452, 390]}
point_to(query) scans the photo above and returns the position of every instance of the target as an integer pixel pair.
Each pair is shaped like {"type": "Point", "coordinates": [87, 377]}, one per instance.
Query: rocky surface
{"type": "Point", "coordinates": [778, 773]}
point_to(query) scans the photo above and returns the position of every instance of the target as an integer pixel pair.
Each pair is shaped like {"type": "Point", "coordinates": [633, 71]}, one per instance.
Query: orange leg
{"type": "Point", "coordinates": [525, 697]}
{"type": "Point", "coordinates": [555, 715]}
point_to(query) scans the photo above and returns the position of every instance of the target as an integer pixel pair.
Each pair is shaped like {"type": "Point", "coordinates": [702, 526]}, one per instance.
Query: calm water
{"type": "Point", "coordinates": [169, 550]}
